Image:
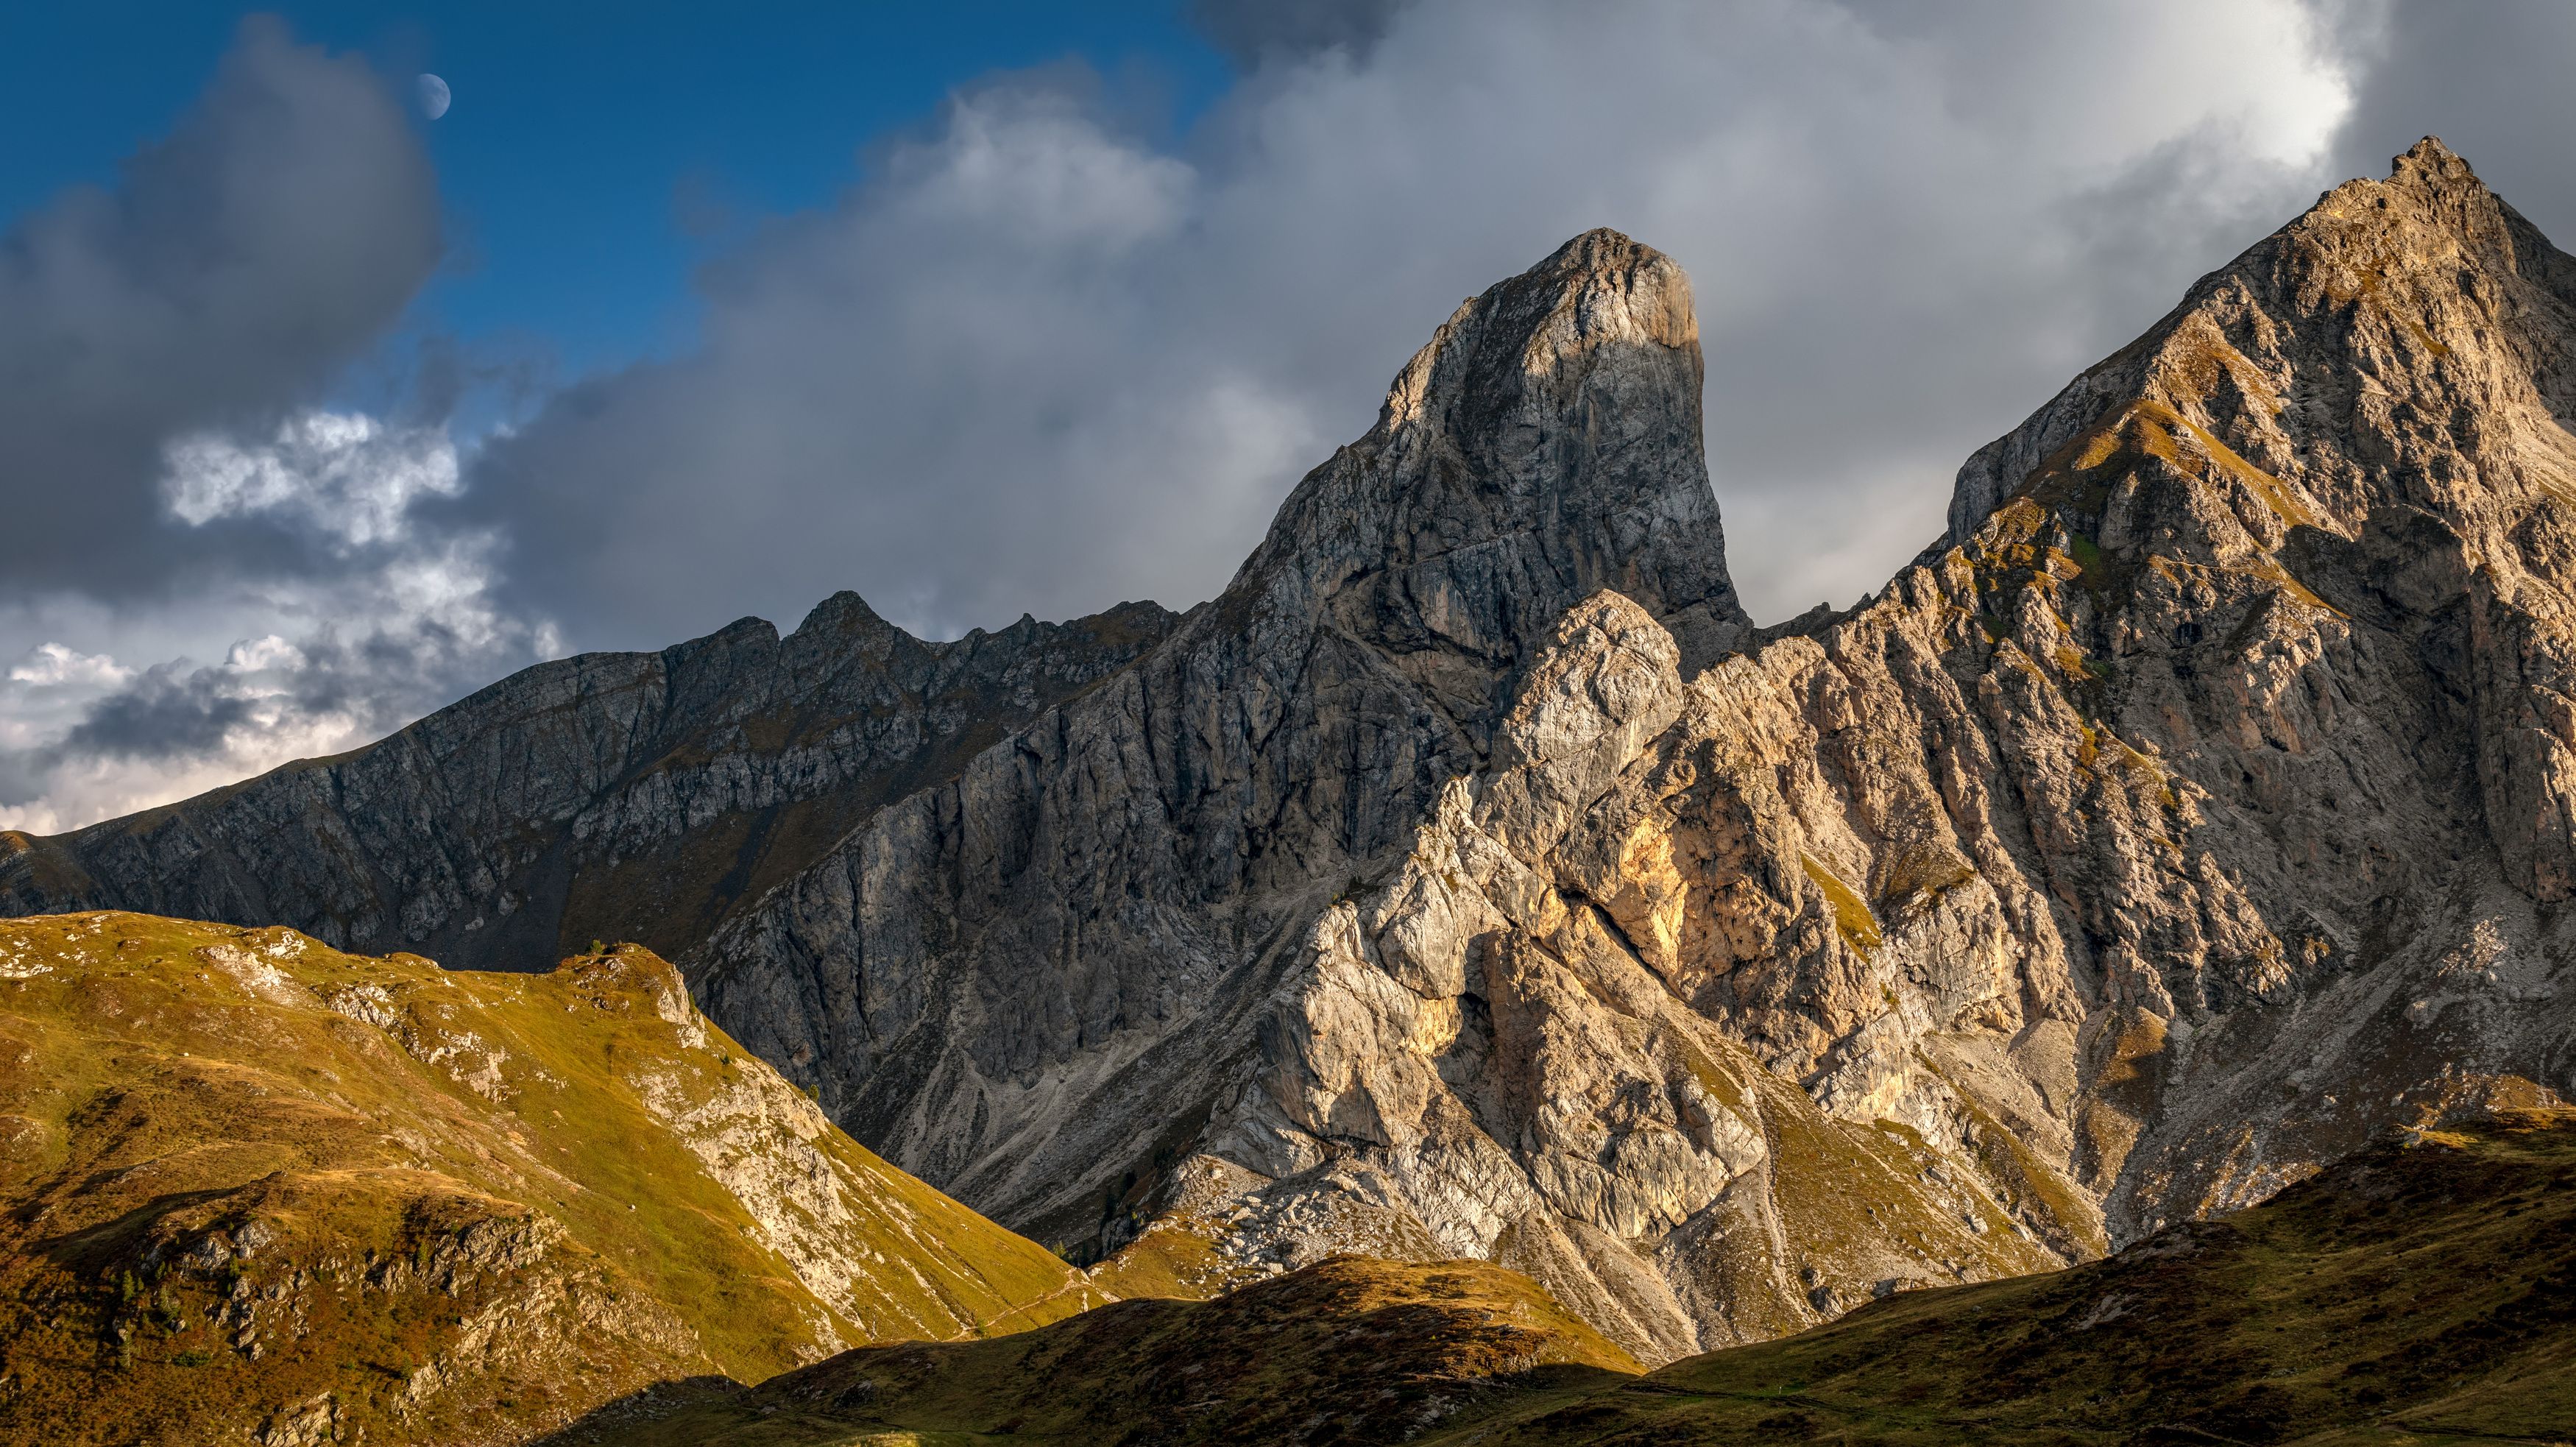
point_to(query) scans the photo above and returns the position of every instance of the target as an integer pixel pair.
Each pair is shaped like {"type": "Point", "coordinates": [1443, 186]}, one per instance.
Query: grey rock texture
{"type": "Point", "coordinates": [1472, 878]}
{"type": "Point", "coordinates": [617, 796]}
{"type": "Point", "coordinates": [1037, 982]}
{"type": "Point", "coordinates": [2198, 810]}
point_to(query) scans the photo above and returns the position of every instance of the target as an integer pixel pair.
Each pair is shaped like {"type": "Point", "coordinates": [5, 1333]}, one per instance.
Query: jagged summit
{"type": "Point", "coordinates": [1545, 443]}
{"type": "Point", "coordinates": [1543, 446]}
{"type": "Point", "coordinates": [2383, 381]}
{"type": "Point", "coordinates": [2428, 266]}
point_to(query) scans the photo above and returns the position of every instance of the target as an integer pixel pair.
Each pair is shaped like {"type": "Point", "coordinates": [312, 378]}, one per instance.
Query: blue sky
{"type": "Point", "coordinates": [595, 152]}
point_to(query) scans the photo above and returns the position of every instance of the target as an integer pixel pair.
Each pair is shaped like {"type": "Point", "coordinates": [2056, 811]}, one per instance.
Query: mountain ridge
{"type": "Point", "coordinates": [493, 837]}
{"type": "Point", "coordinates": [1473, 878]}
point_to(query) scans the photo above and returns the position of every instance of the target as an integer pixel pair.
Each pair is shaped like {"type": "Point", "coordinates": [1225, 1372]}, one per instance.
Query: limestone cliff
{"type": "Point", "coordinates": [1040, 982]}
{"type": "Point", "coordinates": [2198, 809]}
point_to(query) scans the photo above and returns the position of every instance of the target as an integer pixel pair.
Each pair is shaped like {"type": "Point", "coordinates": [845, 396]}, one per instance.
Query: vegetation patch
{"type": "Point", "coordinates": [1852, 919]}
{"type": "Point", "coordinates": [1348, 1350]}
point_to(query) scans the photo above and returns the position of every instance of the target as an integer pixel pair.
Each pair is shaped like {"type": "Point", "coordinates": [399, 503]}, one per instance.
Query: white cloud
{"type": "Point", "coordinates": [51, 665]}
{"type": "Point", "coordinates": [345, 475]}
{"type": "Point", "coordinates": [311, 663]}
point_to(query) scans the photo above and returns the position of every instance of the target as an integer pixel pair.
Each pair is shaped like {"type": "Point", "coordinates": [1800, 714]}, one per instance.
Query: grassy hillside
{"type": "Point", "coordinates": [252, 1189]}
{"type": "Point", "coordinates": [2424, 1292]}
{"type": "Point", "coordinates": [1348, 1350]}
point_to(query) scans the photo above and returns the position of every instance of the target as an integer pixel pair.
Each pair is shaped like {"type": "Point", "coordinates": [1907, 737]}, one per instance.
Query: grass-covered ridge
{"type": "Point", "coordinates": [2423, 1292]}
{"type": "Point", "coordinates": [247, 1180]}
{"type": "Point", "coordinates": [1346, 1350]}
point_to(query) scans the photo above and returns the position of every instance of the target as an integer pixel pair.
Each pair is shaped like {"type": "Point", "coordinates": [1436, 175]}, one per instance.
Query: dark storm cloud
{"type": "Point", "coordinates": [1249, 31]}
{"type": "Point", "coordinates": [170, 710]}
{"type": "Point", "coordinates": [229, 271]}
{"type": "Point", "coordinates": [2490, 79]}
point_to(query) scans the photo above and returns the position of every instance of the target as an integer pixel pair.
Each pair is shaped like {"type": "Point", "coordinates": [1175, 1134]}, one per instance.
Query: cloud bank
{"type": "Point", "coordinates": [1038, 362]}
{"type": "Point", "coordinates": [1039, 359]}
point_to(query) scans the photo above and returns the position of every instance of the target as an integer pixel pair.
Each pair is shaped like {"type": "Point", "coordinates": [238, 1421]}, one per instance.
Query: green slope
{"type": "Point", "coordinates": [250, 1185]}
{"type": "Point", "coordinates": [2424, 1291]}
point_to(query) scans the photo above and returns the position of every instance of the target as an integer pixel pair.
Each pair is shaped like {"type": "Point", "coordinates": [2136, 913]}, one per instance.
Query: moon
{"type": "Point", "coordinates": [434, 95]}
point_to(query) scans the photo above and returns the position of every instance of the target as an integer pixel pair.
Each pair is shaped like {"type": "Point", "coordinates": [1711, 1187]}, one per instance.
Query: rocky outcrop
{"type": "Point", "coordinates": [2188, 817]}
{"type": "Point", "coordinates": [633, 796]}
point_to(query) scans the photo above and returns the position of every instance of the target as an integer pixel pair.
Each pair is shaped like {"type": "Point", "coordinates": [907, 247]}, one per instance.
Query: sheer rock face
{"type": "Point", "coordinates": [1471, 878]}
{"type": "Point", "coordinates": [2198, 809]}
{"type": "Point", "coordinates": [633, 796]}
{"type": "Point", "coordinates": [1038, 982]}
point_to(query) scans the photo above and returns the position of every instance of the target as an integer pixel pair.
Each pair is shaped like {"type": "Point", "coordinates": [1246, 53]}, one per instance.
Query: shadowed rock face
{"type": "Point", "coordinates": [635, 796]}
{"type": "Point", "coordinates": [1471, 878]}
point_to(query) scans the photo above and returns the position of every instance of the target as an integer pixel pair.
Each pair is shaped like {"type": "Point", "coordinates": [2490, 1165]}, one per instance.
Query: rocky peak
{"type": "Point", "coordinates": [2149, 845]}
{"type": "Point", "coordinates": [2334, 356]}
{"type": "Point", "coordinates": [1118, 888]}
{"type": "Point", "coordinates": [2368, 412]}
{"type": "Point", "coordinates": [1543, 445]}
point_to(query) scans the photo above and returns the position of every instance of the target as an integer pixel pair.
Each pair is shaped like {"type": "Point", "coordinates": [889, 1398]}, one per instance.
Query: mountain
{"type": "Point", "coordinates": [2192, 814]}
{"type": "Point", "coordinates": [2423, 1290]}
{"type": "Point", "coordinates": [1473, 879]}
{"type": "Point", "coordinates": [253, 1189]}
{"type": "Point", "coordinates": [1116, 887]}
